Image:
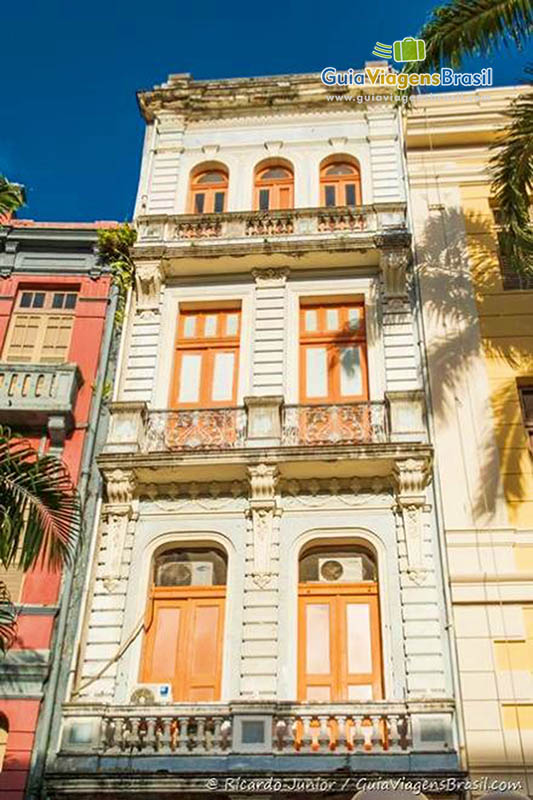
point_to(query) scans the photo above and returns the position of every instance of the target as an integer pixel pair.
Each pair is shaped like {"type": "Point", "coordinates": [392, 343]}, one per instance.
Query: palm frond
{"type": "Point", "coordinates": [11, 197]}
{"type": "Point", "coordinates": [464, 28]}
{"type": "Point", "coordinates": [39, 510]}
{"type": "Point", "coordinates": [512, 168]}
{"type": "Point", "coordinates": [8, 619]}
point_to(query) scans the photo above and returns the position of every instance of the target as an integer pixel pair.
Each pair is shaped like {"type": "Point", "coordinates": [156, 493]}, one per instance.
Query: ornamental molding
{"type": "Point", "coordinates": [120, 485]}
{"type": "Point", "coordinates": [115, 521]}
{"type": "Point", "coordinates": [271, 276]}
{"type": "Point", "coordinates": [148, 280]}
{"type": "Point", "coordinates": [395, 255]}
{"type": "Point", "coordinates": [214, 497]}
{"type": "Point", "coordinates": [263, 510]}
{"type": "Point", "coordinates": [411, 476]}
{"type": "Point", "coordinates": [336, 493]}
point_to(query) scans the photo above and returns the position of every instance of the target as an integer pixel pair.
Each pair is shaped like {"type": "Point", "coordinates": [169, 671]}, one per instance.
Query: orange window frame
{"type": "Point", "coordinates": [281, 190]}
{"type": "Point", "coordinates": [338, 679]}
{"type": "Point", "coordinates": [187, 685]}
{"type": "Point", "coordinates": [333, 341]}
{"type": "Point", "coordinates": [340, 182]}
{"type": "Point", "coordinates": [209, 190]}
{"type": "Point", "coordinates": [207, 347]}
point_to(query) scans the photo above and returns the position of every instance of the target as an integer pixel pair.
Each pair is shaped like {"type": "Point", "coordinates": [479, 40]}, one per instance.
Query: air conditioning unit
{"type": "Point", "coordinates": [185, 573]}
{"type": "Point", "coordinates": [348, 569]}
{"type": "Point", "coordinates": [151, 694]}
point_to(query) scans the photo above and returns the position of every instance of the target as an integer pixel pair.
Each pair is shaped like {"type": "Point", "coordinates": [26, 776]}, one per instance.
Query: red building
{"type": "Point", "coordinates": [55, 332]}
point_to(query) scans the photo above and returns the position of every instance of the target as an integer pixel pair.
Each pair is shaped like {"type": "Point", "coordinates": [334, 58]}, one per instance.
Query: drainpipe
{"type": "Point", "coordinates": [435, 485]}
{"type": "Point", "coordinates": [88, 491]}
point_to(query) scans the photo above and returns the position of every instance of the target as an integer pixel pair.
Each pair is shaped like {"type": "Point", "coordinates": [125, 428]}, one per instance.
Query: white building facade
{"type": "Point", "coordinates": [267, 589]}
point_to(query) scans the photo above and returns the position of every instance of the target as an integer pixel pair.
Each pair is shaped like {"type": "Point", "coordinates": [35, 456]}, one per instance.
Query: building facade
{"type": "Point", "coordinates": [54, 301]}
{"type": "Point", "coordinates": [479, 341]}
{"type": "Point", "coordinates": [268, 593]}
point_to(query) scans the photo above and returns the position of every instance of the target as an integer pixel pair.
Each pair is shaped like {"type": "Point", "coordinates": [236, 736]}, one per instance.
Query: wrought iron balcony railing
{"type": "Point", "coordinates": [196, 429]}
{"type": "Point", "coordinates": [318, 222]}
{"type": "Point", "coordinates": [300, 426]}
{"type": "Point", "coordinates": [275, 728]}
{"type": "Point", "coordinates": [350, 423]}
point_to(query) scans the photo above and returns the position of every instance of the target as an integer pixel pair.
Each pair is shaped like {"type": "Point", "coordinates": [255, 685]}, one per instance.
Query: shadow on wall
{"type": "Point", "coordinates": [461, 284]}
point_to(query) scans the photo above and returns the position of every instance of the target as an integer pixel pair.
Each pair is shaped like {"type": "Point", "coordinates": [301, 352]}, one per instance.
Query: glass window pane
{"type": "Point", "coordinates": [316, 368]}
{"type": "Point", "coordinates": [275, 173]}
{"type": "Point", "coordinates": [38, 300]}
{"type": "Point", "coordinates": [330, 196]}
{"type": "Point", "coordinates": [70, 301]}
{"type": "Point", "coordinates": [317, 635]}
{"type": "Point", "coordinates": [223, 376]}
{"type": "Point", "coordinates": [25, 300]}
{"type": "Point", "coordinates": [350, 194]}
{"type": "Point", "coordinates": [354, 318]}
{"type": "Point", "coordinates": [58, 300]}
{"type": "Point", "coordinates": [232, 324]}
{"type": "Point", "coordinates": [219, 202]}
{"type": "Point", "coordinates": [210, 325]}
{"type": "Point", "coordinates": [351, 374]}
{"type": "Point", "coordinates": [264, 199]}
{"type": "Point", "coordinates": [332, 319]}
{"type": "Point", "coordinates": [340, 169]}
{"type": "Point", "coordinates": [311, 319]}
{"type": "Point", "coordinates": [211, 177]}
{"type": "Point", "coordinates": [191, 367]}
{"type": "Point", "coordinates": [189, 326]}
{"type": "Point", "coordinates": [199, 199]}
{"type": "Point", "coordinates": [358, 638]}
{"type": "Point", "coordinates": [362, 691]}
{"type": "Point", "coordinates": [318, 694]}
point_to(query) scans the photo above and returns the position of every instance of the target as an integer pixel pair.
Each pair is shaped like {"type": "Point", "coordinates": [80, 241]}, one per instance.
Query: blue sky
{"type": "Point", "coordinates": [69, 125]}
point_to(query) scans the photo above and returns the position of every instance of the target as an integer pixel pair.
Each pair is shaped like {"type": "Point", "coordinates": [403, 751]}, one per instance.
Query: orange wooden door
{"type": "Point", "coordinates": [339, 648]}
{"type": "Point", "coordinates": [183, 642]}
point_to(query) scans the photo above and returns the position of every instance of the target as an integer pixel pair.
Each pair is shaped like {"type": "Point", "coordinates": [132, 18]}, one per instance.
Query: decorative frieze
{"type": "Point", "coordinates": [273, 276]}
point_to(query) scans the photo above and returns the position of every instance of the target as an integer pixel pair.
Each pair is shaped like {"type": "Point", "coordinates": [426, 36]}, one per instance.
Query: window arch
{"type": "Point", "coordinates": [183, 630]}
{"type": "Point", "coordinates": [274, 185]}
{"type": "Point", "coordinates": [208, 189]}
{"type": "Point", "coordinates": [339, 642]}
{"type": "Point", "coordinates": [340, 181]}
{"type": "Point", "coordinates": [4, 733]}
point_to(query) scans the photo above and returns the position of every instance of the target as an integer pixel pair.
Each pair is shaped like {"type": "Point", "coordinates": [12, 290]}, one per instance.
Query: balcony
{"type": "Point", "coordinates": [34, 396]}
{"type": "Point", "coordinates": [300, 228]}
{"type": "Point", "coordinates": [277, 729]}
{"type": "Point", "coordinates": [301, 426]}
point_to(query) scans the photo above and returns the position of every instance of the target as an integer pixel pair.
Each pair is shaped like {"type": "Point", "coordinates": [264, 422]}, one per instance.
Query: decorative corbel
{"type": "Point", "coordinates": [394, 259]}
{"type": "Point", "coordinates": [411, 476]}
{"type": "Point", "coordinates": [271, 276]}
{"type": "Point", "coordinates": [116, 515]}
{"type": "Point", "coordinates": [263, 508]}
{"type": "Point", "coordinates": [148, 279]}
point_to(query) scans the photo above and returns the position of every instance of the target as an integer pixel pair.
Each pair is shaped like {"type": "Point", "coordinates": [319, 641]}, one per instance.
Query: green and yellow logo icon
{"type": "Point", "coordinates": [407, 49]}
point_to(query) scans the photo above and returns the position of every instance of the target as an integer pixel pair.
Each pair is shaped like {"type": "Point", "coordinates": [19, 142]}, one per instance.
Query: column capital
{"type": "Point", "coordinates": [120, 485]}
{"type": "Point", "coordinates": [394, 257]}
{"type": "Point", "coordinates": [148, 280]}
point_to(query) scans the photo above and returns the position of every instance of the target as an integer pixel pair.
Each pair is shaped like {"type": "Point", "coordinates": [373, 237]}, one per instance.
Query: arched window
{"type": "Point", "coordinates": [4, 731]}
{"type": "Point", "coordinates": [184, 622]}
{"type": "Point", "coordinates": [274, 187]}
{"type": "Point", "coordinates": [340, 183]}
{"type": "Point", "coordinates": [208, 191]}
{"type": "Point", "coordinates": [339, 643]}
